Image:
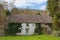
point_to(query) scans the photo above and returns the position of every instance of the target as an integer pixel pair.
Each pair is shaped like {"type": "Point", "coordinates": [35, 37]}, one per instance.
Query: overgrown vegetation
{"type": "Point", "coordinates": [38, 29]}
{"type": "Point", "coordinates": [54, 9]}
{"type": "Point", "coordinates": [7, 12]}
{"type": "Point", "coordinates": [13, 28]}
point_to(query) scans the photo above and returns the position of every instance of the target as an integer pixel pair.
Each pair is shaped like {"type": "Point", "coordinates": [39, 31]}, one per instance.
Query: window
{"type": "Point", "coordinates": [27, 24]}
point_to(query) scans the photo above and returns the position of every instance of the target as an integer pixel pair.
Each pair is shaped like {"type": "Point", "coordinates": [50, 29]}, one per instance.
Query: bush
{"type": "Point", "coordinates": [56, 33]}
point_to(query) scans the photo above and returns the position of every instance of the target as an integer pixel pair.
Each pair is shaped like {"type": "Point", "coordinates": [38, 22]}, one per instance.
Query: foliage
{"type": "Point", "coordinates": [7, 12]}
{"type": "Point", "coordinates": [13, 28]}
{"type": "Point", "coordinates": [53, 7]}
{"type": "Point", "coordinates": [38, 29]}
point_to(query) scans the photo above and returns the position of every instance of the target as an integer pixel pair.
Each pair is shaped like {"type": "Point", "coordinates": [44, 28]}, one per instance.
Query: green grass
{"type": "Point", "coordinates": [35, 37]}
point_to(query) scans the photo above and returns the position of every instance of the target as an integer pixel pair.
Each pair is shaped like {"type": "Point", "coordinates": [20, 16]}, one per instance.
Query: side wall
{"type": "Point", "coordinates": [2, 29]}
{"type": "Point", "coordinates": [2, 20]}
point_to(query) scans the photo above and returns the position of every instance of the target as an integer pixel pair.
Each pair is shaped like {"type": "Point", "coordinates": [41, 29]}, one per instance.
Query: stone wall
{"type": "Point", "coordinates": [2, 20]}
{"type": "Point", "coordinates": [46, 28]}
{"type": "Point", "coordinates": [2, 32]}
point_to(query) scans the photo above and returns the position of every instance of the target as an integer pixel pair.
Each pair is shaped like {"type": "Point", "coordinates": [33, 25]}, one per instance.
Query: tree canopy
{"type": "Point", "coordinates": [54, 9]}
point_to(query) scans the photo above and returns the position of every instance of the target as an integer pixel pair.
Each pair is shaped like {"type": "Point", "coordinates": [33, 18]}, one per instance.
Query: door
{"type": "Point", "coordinates": [27, 31]}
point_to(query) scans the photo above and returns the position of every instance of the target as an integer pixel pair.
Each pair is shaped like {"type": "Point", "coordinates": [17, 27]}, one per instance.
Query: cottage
{"type": "Point", "coordinates": [28, 22]}
{"type": "Point", "coordinates": [25, 22]}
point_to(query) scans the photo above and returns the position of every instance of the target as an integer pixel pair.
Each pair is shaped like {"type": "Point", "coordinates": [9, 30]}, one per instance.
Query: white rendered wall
{"type": "Point", "coordinates": [23, 28]}
{"type": "Point", "coordinates": [31, 28]}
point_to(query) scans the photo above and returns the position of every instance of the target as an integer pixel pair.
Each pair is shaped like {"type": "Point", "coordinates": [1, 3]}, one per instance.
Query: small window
{"type": "Point", "coordinates": [27, 24]}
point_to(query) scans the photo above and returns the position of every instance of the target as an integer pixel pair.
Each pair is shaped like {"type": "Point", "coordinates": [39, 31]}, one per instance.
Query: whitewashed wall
{"type": "Point", "coordinates": [23, 28]}
{"type": "Point", "coordinates": [31, 28]}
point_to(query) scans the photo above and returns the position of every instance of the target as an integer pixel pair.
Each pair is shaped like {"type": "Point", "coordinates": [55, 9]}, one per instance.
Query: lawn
{"type": "Point", "coordinates": [35, 37]}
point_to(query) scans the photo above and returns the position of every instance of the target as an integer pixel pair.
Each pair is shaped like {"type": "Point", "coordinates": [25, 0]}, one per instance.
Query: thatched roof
{"type": "Point", "coordinates": [30, 18]}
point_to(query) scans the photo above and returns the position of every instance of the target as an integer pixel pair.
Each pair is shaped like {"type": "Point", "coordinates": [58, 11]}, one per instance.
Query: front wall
{"type": "Point", "coordinates": [23, 28]}
{"type": "Point", "coordinates": [30, 28]}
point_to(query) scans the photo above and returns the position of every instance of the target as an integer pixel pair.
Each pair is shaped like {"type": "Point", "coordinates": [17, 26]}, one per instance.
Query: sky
{"type": "Point", "coordinates": [31, 4]}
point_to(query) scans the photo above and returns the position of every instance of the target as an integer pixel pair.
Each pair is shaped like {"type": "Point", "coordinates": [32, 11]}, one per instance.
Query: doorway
{"type": "Point", "coordinates": [27, 31]}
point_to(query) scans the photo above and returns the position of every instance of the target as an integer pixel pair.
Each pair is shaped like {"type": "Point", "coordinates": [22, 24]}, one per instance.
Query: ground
{"type": "Point", "coordinates": [34, 37]}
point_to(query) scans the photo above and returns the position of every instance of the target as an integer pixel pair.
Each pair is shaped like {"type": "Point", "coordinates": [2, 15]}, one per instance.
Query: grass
{"type": "Point", "coordinates": [35, 37]}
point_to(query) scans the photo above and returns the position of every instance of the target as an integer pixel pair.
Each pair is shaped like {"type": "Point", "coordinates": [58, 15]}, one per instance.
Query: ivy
{"type": "Point", "coordinates": [7, 13]}
{"type": "Point", "coordinates": [54, 12]}
{"type": "Point", "coordinates": [13, 28]}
